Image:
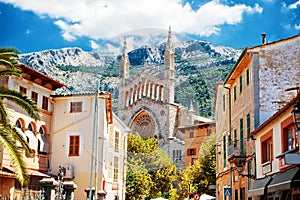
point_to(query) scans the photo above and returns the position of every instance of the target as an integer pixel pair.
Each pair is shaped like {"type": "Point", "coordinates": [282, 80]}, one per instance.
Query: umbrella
{"type": "Point", "coordinates": [206, 197]}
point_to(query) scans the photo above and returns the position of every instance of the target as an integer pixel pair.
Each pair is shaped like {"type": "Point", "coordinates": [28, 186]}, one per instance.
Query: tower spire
{"type": "Point", "coordinates": [169, 52]}
{"type": "Point", "coordinates": [124, 62]}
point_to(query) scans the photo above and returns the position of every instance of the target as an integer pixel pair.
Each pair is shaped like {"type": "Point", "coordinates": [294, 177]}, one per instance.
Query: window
{"type": "Point", "coordinates": [248, 126]}
{"type": "Point", "coordinates": [30, 128]}
{"type": "Point", "coordinates": [224, 151]}
{"type": "Point", "coordinates": [242, 136]}
{"type": "Point", "coordinates": [19, 124]}
{"type": "Point", "coordinates": [74, 145]}
{"type": "Point", "coordinates": [224, 102]}
{"type": "Point", "coordinates": [235, 137]}
{"type": "Point", "coordinates": [193, 161]}
{"type": "Point", "coordinates": [43, 142]}
{"type": "Point", "coordinates": [290, 137]}
{"type": "Point", "coordinates": [34, 97]}
{"type": "Point", "coordinates": [117, 141]}
{"type": "Point", "coordinates": [229, 139]}
{"type": "Point", "coordinates": [191, 134]}
{"type": "Point", "coordinates": [267, 147]}
{"type": "Point", "coordinates": [23, 90]}
{"type": "Point", "coordinates": [76, 107]}
{"type": "Point", "coordinates": [45, 103]}
{"type": "Point", "coordinates": [241, 84]}
{"type": "Point", "coordinates": [234, 92]}
{"type": "Point", "coordinates": [176, 155]}
{"type": "Point", "coordinates": [249, 167]}
{"type": "Point", "coordinates": [247, 76]}
{"type": "Point", "coordinates": [191, 152]}
{"type": "Point", "coordinates": [116, 168]}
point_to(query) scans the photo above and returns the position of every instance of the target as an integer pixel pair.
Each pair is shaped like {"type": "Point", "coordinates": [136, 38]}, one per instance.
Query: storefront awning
{"type": "Point", "coordinates": [31, 172]}
{"type": "Point", "coordinates": [259, 186]}
{"type": "Point", "coordinates": [283, 180]}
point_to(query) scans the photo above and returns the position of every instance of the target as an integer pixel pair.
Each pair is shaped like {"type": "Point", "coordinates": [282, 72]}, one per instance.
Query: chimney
{"type": "Point", "coordinates": [263, 37]}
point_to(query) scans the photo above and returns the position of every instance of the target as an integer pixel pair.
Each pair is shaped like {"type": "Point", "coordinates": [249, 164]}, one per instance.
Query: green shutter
{"type": "Point", "coordinates": [235, 137]}
{"type": "Point", "coordinates": [224, 151]}
{"type": "Point", "coordinates": [248, 126]}
{"type": "Point", "coordinates": [241, 84]}
{"type": "Point", "coordinates": [234, 92]}
{"type": "Point", "coordinates": [223, 102]}
{"type": "Point", "coordinates": [247, 77]}
{"type": "Point", "coordinates": [242, 136]}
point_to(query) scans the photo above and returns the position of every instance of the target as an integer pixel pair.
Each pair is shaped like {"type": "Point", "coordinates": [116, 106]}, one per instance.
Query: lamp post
{"type": "Point", "coordinates": [296, 119]}
{"type": "Point", "coordinates": [294, 158]}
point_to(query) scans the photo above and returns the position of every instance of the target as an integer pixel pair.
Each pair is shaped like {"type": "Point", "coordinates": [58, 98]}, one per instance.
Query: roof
{"type": "Point", "coordinates": [72, 94]}
{"type": "Point", "coordinates": [244, 58]}
{"type": "Point", "coordinates": [205, 124]}
{"type": "Point", "coordinates": [39, 78]}
{"type": "Point", "coordinates": [31, 172]}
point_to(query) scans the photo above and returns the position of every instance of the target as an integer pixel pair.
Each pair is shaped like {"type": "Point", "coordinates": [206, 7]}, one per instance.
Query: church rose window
{"type": "Point", "coordinates": [144, 125]}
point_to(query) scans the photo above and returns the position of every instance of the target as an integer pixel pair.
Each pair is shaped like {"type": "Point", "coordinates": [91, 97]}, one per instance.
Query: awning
{"type": "Point", "coordinates": [284, 180]}
{"type": "Point", "coordinates": [31, 172]}
{"type": "Point", "coordinates": [259, 186]}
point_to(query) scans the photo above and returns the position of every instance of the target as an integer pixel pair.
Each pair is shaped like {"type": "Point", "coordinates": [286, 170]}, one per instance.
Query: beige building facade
{"type": "Point", "coordinates": [275, 140]}
{"type": "Point", "coordinates": [38, 133]}
{"type": "Point", "coordinates": [87, 135]}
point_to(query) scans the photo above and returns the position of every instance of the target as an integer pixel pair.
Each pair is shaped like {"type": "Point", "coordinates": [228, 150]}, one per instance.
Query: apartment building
{"type": "Point", "coordinates": [63, 142]}
{"type": "Point", "coordinates": [277, 151]}
{"type": "Point", "coordinates": [194, 136]}
{"type": "Point", "coordinates": [253, 91]}
{"type": "Point", "coordinates": [89, 141]}
{"type": "Point", "coordinates": [38, 133]}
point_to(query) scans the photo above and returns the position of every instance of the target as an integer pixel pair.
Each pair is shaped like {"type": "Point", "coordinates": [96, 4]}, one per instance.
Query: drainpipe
{"type": "Point", "coordinates": [227, 86]}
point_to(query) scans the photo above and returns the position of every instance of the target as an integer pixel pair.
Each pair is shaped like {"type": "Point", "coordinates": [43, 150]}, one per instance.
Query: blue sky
{"type": "Point", "coordinates": [34, 25]}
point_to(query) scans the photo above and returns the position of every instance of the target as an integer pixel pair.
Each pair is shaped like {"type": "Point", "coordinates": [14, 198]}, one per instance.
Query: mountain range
{"type": "Point", "coordinates": [199, 66]}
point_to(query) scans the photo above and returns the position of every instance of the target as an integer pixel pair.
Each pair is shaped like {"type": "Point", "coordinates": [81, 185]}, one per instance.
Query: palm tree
{"type": "Point", "coordinates": [9, 135]}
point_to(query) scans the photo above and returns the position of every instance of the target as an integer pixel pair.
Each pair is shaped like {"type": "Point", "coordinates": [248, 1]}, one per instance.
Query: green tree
{"type": "Point", "coordinates": [9, 135]}
{"type": "Point", "coordinates": [151, 167]}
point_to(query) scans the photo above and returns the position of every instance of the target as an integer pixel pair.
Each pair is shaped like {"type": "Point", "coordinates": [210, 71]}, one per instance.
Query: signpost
{"type": "Point", "coordinates": [227, 192]}
{"type": "Point", "coordinates": [196, 196]}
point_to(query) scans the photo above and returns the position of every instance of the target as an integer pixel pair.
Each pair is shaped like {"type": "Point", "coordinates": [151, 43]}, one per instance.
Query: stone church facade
{"type": "Point", "coordinates": [146, 103]}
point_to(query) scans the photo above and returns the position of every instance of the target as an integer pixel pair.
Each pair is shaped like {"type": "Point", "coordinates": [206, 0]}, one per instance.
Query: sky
{"type": "Point", "coordinates": [35, 25]}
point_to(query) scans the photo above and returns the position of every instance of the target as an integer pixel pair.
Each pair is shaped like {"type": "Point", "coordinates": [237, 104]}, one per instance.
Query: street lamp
{"type": "Point", "coordinates": [296, 117]}
{"type": "Point", "coordinates": [239, 166]}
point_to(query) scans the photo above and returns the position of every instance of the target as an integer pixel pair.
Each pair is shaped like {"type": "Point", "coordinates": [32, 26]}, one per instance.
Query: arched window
{"type": "Point", "coordinates": [43, 143]}
{"type": "Point", "coordinates": [30, 136]}
{"type": "Point", "coordinates": [30, 128]}
{"type": "Point", "coordinates": [18, 124]}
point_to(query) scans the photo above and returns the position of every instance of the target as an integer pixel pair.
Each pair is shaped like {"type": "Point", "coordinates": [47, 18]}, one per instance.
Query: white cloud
{"type": "Point", "coordinates": [94, 44]}
{"type": "Point", "coordinates": [106, 18]}
{"type": "Point", "coordinates": [297, 26]}
{"type": "Point", "coordinates": [294, 5]}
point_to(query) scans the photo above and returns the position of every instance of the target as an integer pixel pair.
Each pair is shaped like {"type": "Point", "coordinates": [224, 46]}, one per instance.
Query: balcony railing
{"type": "Point", "coordinates": [237, 149]}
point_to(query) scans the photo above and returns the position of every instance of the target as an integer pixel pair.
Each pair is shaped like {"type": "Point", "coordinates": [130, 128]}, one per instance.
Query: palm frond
{"type": "Point", "coordinates": [9, 49]}
{"type": "Point", "coordinates": [21, 100]}
{"type": "Point", "coordinates": [19, 138]}
{"type": "Point", "coordinates": [7, 140]}
{"type": "Point", "coordinates": [10, 72]}
{"type": "Point", "coordinates": [3, 113]}
{"type": "Point", "coordinates": [7, 63]}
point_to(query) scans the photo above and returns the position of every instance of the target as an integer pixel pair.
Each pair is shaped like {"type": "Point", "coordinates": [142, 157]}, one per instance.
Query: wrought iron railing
{"type": "Point", "coordinates": [237, 149]}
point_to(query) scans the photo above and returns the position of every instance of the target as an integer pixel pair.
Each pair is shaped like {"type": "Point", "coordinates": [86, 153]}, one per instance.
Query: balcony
{"type": "Point", "coordinates": [236, 151]}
